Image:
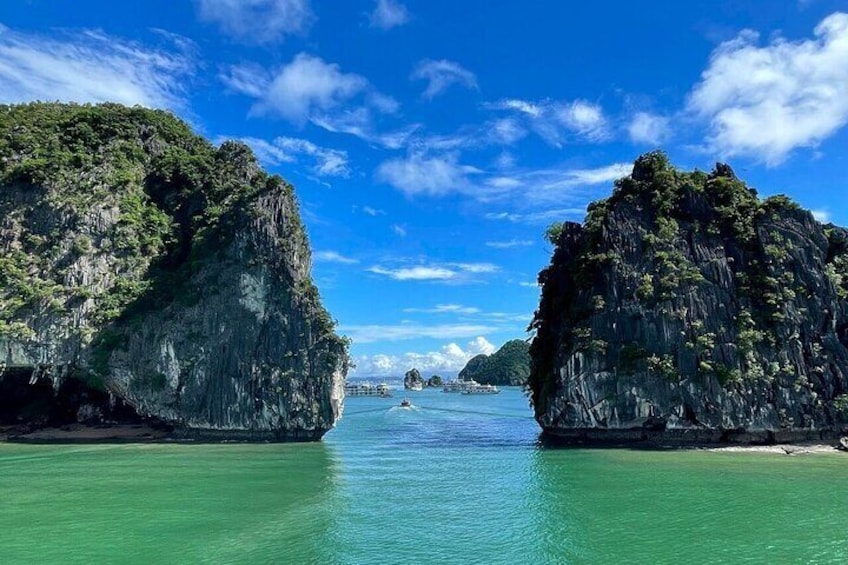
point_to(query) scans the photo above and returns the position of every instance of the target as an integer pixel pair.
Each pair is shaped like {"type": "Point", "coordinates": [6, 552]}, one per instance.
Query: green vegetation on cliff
{"type": "Point", "coordinates": [508, 366]}
{"type": "Point", "coordinates": [686, 280]}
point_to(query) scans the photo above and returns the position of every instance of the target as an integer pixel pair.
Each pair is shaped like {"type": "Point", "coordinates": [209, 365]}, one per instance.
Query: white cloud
{"type": "Point", "coordinates": [368, 210]}
{"type": "Point", "coordinates": [422, 174]}
{"type": "Point", "coordinates": [529, 284]}
{"type": "Point", "coordinates": [445, 309]}
{"type": "Point", "coordinates": [372, 333]}
{"type": "Point", "coordinates": [258, 21]}
{"type": "Point", "coordinates": [581, 177]}
{"type": "Point", "coordinates": [505, 131]}
{"type": "Point", "coordinates": [542, 217]}
{"type": "Point", "coordinates": [554, 121]}
{"type": "Point", "coordinates": [584, 118]}
{"type": "Point", "coordinates": [476, 267]}
{"type": "Point", "coordinates": [522, 106]}
{"type": "Point", "coordinates": [388, 14]}
{"type": "Point", "coordinates": [509, 244]}
{"type": "Point", "coordinates": [308, 89]}
{"type": "Point", "coordinates": [90, 66]}
{"type": "Point", "coordinates": [420, 273]}
{"type": "Point", "coordinates": [325, 162]}
{"type": "Point", "coordinates": [333, 257]}
{"type": "Point", "coordinates": [450, 358]}
{"type": "Point", "coordinates": [399, 230]}
{"type": "Point", "coordinates": [648, 128]}
{"type": "Point", "coordinates": [767, 101]}
{"type": "Point", "coordinates": [305, 87]}
{"type": "Point", "coordinates": [440, 75]}
{"type": "Point", "coordinates": [444, 272]}
{"type": "Point", "coordinates": [439, 175]}
{"type": "Point", "coordinates": [359, 122]}
{"type": "Point", "coordinates": [822, 216]}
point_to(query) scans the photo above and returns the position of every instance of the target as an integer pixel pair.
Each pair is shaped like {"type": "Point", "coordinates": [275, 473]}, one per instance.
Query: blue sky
{"type": "Point", "coordinates": [432, 142]}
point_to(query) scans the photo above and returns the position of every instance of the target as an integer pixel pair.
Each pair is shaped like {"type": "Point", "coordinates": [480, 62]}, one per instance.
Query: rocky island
{"type": "Point", "coordinates": [687, 310]}
{"type": "Point", "coordinates": [508, 366]}
{"type": "Point", "coordinates": [147, 275]}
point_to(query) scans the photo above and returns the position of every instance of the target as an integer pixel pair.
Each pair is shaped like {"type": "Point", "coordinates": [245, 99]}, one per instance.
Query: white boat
{"type": "Point", "coordinates": [469, 386]}
{"type": "Point", "coordinates": [367, 389]}
{"type": "Point", "coordinates": [481, 389]}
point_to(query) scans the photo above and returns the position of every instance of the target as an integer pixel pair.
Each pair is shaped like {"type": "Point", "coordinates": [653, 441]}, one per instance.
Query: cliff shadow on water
{"type": "Point", "coordinates": [687, 310]}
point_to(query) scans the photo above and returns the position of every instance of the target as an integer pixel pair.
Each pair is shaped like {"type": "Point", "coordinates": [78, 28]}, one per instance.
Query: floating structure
{"type": "Point", "coordinates": [469, 387]}
{"type": "Point", "coordinates": [367, 389]}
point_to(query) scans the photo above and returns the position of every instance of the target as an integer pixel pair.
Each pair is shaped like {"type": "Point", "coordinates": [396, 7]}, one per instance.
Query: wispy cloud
{"type": "Point", "coordinates": [445, 309]}
{"type": "Point", "coordinates": [767, 101]}
{"type": "Point", "coordinates": [457, 273]}
{"type": "Point", "coordinates": [409, 330]}
{"type": "Point", "coordinates": [419, 273]}
{"type": "Point", "coordinates": [449, 359]}
{"type": "Point", "coordinates": [333, 257]}
{"type": "Point", "coordinates": [258, 21]}
{"type": "Point", "coordinates": [388, 14]}
{"type": "Point", "coordinates": [821, 215]}
{"type": "Point", "coordinates": [325, 162]}
{"type": "Point", "coordinates": [421, 174]}
{"type": "Point", "coordinates": [509, 244]}
{"type": "Point", "coordinates": [399, 230]}
{"type": "Point", "coordinates": [557, 121]}
{"type": "Point", "coordinates": [440, 75]}
{"type": "Point", "coordinates": [299, 90]}
{"type": "Point", "coordinates": [648, 128]}
{"type": "Point", "coordinates": [90, 66]}
{"type": "Point", "coordinates": [309, 89]}
{"type": "Point", "coordinates": [541, 217]}
{"type": "Point", "coordinates": [373, 212]}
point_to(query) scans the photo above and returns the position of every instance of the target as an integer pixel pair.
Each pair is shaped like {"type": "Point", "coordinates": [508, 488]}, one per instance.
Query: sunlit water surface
{"type": "Point", "coordinates": [457, 479]}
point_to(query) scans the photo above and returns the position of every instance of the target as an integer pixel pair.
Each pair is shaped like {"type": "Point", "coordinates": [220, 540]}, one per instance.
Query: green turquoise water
{"type": "Point", "coordinates": [459, 479]}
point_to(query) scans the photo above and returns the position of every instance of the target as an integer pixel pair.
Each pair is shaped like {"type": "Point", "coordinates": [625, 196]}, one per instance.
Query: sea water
{"type": "Point", "coordinates": [455, 479]}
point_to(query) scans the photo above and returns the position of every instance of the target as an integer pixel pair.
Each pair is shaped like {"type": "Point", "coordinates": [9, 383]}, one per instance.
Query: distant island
{"type": "Point", "coordinates": [508, 366]}
{"type": "Point", "coordinates": [685, 309]}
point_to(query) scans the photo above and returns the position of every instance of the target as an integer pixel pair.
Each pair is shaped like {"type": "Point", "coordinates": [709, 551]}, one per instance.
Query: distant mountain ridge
{"type": "Point", "coordinates": [508, 366]}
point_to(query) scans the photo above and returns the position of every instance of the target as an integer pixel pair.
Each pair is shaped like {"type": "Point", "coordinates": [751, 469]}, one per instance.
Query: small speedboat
{"type": "Point", "coordinates": [405, 403]}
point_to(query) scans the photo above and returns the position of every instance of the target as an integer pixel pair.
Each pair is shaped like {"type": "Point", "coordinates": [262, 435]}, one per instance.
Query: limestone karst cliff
{"type": "Point", "coordinates": [686, 309]}
{"type": "Point", "coordinates": [173, 275]}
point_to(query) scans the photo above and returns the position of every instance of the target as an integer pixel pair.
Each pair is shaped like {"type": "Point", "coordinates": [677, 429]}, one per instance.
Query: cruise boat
{"type": "Point", "coordinates": [367, 389]}
{"type": "Point", "coordinates": [469, 386]}
{"type": "Point", "coordinates": [477, 388]}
